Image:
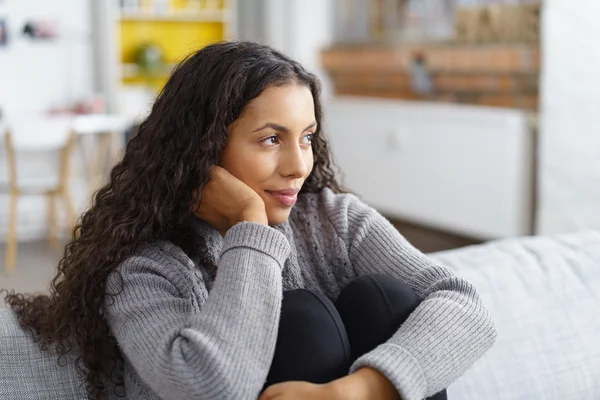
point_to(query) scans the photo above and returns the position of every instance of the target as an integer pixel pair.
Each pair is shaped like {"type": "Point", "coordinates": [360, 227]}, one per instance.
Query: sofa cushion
{"type": "Point", "coordinates": [543, 294]}
{"type": "Point", "coordinates": [28, 373]}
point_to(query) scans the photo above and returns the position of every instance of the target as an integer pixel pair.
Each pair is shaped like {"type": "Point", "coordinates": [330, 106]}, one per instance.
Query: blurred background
{"type": "Point", "coordinates": [462, 121]}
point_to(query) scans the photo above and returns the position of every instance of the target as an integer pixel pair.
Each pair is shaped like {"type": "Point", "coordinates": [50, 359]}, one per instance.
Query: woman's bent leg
{"type": "Point", "coordinates": [372, 308]}
{"type": "Point", "coordinates": [312, 344]}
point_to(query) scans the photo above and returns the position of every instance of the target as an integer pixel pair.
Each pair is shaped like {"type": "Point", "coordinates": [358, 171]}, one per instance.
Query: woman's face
{"type": "Point", "coordinates": [269, 147]}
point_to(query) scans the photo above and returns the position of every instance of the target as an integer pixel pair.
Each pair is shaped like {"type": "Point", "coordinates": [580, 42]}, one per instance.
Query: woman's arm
{"type": "Point", "coordinates": [225, 350]}
{"type": "Point", "coordinates": [448, 331]}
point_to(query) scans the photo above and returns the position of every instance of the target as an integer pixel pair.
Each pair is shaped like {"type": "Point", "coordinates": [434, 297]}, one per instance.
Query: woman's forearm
{"type": "Point", "coordinates": [364, 384]}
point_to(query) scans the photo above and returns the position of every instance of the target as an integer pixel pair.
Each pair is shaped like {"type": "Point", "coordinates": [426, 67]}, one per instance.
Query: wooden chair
{"type": "Point", "coordinates": [51, 150]}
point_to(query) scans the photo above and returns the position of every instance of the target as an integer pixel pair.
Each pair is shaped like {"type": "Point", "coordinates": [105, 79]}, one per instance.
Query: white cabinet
{"type": "Point", "coordinates": [468, 170]}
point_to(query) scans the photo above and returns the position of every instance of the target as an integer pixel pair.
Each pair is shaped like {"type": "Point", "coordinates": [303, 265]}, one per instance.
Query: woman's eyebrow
{"type": "Point", "coordinates": [280, 128]}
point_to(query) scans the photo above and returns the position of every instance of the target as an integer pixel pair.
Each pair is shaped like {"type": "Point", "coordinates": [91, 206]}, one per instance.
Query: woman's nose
{"type": "Point", "coordinates": [294, 162]}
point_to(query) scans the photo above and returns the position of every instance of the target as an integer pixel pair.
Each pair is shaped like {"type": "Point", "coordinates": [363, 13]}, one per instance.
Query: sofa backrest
{"type": "Point", "coordinates": [27, 372]}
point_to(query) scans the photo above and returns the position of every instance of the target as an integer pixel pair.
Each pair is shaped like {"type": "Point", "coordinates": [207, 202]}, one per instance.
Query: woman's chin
{"type": "Point", "coordinates": [278, 216]}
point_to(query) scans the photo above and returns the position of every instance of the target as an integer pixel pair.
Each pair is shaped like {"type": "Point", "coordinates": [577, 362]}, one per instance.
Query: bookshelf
{"type": "Point", "coordinates": [173, 28]}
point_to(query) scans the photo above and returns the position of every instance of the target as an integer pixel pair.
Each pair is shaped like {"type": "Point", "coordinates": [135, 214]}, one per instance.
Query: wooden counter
{"type": "Point", "coordinates": [491, 75]}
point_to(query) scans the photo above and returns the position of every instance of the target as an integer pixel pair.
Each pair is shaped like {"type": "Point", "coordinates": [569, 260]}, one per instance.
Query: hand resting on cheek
{"type": "Point", "coordinates": [225, 200]}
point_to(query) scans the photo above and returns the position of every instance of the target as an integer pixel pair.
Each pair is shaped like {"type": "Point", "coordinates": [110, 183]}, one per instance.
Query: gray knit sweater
{"type": "Point", "coordinates": [186, 336]}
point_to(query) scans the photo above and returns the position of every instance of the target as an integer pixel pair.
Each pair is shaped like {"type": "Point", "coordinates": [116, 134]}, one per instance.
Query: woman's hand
{"type": "Point", "coordinates": [298, 391]}
{"type": "Point", "coordinates": [226, 200]}
{"type": "Point", "coordinates": [366, 383]}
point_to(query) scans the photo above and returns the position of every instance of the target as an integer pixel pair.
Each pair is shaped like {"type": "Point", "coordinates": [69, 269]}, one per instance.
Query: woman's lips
{"type": "Point", "coordinates": [285, 197]}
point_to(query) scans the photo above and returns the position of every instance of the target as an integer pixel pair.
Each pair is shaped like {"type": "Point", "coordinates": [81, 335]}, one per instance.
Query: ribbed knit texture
{"type": "Point", "coordinates": [186, 337]}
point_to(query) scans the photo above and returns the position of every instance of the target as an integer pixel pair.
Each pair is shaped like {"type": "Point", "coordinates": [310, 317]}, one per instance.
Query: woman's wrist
{"type": "Point", "coordinates": [365, 383]}
{"type": "Point", "coordinates": [256, 214]}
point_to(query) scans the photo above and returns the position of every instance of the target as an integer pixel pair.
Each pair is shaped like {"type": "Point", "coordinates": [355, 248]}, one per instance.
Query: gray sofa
{"type": "Point", "coordinates": [27, 373]}
{"type": "Point", "coordinates": [543, 294]}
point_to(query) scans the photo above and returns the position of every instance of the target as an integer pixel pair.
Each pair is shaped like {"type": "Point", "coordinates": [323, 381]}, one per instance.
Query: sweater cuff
{"type": "Point", "coordinates": [399, 367]}
{"type": "Point", "coordinates": [258, 237]}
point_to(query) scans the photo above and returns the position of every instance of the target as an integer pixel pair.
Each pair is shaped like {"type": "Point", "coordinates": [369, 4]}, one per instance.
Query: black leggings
{"type": "Point", "coordinates": [318, 340]}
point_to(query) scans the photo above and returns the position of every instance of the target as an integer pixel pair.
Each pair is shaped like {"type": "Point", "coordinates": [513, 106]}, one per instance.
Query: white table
{"type": "Point", "coordinates": [107, 133]}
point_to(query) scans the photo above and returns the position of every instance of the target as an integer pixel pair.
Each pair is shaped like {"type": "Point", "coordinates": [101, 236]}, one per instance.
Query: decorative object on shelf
{"type": "Point", "coordinates": [41, 29]}
{"type": "Point", "coordinates": [421, 77]}
{"type": "Point", "coordinates": [498, 23]}
{"type": "Point", "coordinates": [94, 104]}
{"type": "Point", "coordinates": [3, 32]}
{"type": "Point", "coordinates": [150, 59]}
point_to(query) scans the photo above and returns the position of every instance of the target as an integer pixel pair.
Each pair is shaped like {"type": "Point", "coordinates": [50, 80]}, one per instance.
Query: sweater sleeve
{"type": "Point", "coordinates": [448, 331]}
{"type": "Point", "coordinates": [225, 349]}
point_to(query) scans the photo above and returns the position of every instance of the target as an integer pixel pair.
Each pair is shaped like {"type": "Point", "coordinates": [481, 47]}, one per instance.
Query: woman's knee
{"type": "Point", "coordinates": [381, 290]}
{"type": "Point", "coordinates": [372, 308]}
{"type": "Point", "coordinates": [310, 314]}
{"type": "Point", "coordinates": [312, 343]}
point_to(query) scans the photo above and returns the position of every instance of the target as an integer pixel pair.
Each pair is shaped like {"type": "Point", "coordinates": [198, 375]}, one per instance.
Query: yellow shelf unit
{"type": "Point", "coordinates": [184, 27]}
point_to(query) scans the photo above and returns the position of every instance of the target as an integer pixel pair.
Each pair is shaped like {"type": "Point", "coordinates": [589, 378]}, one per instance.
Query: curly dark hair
{"type": "Point", "coordinates": [150, 194]}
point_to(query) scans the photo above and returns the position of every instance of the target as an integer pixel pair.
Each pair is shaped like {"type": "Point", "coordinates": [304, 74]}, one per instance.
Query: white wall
{"type": "Point", "coordinates": [570, 123]}
{"type": "Point", "coordinates": [35, 76]}
{"type": "Point", "coordinates": [40, 74]}
{"type": "Point", "coordinates": [311, 30]}
{"type": "Point", "coordinates": [299, 28]}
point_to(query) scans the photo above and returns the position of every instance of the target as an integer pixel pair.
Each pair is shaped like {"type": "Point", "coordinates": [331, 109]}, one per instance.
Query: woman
{"type": "Point", "coordinates": [223, 261]}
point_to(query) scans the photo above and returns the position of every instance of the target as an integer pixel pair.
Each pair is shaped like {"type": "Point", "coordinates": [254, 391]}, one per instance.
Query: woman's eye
{"type": "Point", "coordinates": [309, 138]}
{"type": "Point", "coordinates": [271, 140]}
